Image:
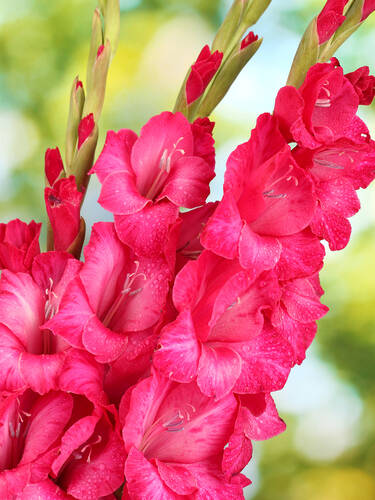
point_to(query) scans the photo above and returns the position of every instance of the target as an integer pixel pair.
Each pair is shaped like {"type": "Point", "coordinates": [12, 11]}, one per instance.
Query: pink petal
{"type": "Point", "coordinates": [266, 363]}
{"type": "Point", "coordinates": [147, 231]}
{"type": "Point", "coordinates": [10, 351]}
{"type": "Point", "coordinates": [115, 156]}
{"type": "Point", "coordinates": [49, 416]}
{"type": "Point", "coordinates": [82, 375]}
{"type": "Point", "coordinates": [120, 195]}
{"type": "Point", "coordinates": [223, 229]}
{"type": "Point", "coordinates": [263, 424]}
{"type": "Point", "coordinates": [258, 253]}
{"type": "Point", "coordinates": [74, 311]}
{"type": "Point", "coordinates": [188, 183]}
{"type": "Point", "coordinates": [19, 244]}
{"type": "Point", "coordinates": [46, 490]}
{"type": "Point", "coordinates": [178, 355]}
{"type": "Point", "coordinates": [101, 475]}
{"type": "Point", "coordinates": [301, 255]}
{"type": "Point", "coordinates": [161, 133]}
{"type": "Point", "coordinates": [218, 370]}
{"type": "Point", "coordinates": [177, 478]}
{"type": "Point", "coordinates": [143, 480]}
{"type": "Point", "coordinates": [22, 308]}
{"type": "Point", "coordinates": [237, 454]}
{"type": "Point", "coordinates": [41, 372]}
{"type": "Point", "coordinates": [73, 438]}
{"type": "Point", "coordinates": [105, 344]}
{"type": "Point", "coordinates": [302, 302]}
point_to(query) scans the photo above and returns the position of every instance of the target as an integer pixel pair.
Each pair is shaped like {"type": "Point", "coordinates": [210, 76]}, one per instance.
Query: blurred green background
{"type": "Point", "coordinates": [328, 450]}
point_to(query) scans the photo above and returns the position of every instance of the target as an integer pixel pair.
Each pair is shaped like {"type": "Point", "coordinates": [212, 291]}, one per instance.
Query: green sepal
{"type": "Point", "coordinates": [306, 55]}
{"type": "Point", "coordinates": [96, 42]}
{"type": "Point", "coordinates": [255, 10]}
{"type": "Point", "coordinates": [77, 100]}
{"type": "Point", "coordinates": [95, 98]}
{"type": "Point", "coordinates": [229, 27]}
{"type": "Point", "coordinates": [226, 76]}
{"type": "Point", "coordinates": [112, 24]}
{"type": "Point", "coordinates": [84, 159]}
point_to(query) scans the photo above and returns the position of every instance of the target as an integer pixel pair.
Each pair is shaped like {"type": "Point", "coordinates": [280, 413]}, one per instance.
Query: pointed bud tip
{"type": "Point", "coordinates": [79, 84]}
{"type": "Point", "coordinates": [100, 50]}
{"type": "Point", "coordinates": [249, 39]}
{"type": "Point", "coordinates": [85, 127]}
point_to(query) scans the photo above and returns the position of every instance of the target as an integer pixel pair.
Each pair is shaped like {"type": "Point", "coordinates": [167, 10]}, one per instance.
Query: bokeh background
{"type": "Point", "coordinates": [328, 450]}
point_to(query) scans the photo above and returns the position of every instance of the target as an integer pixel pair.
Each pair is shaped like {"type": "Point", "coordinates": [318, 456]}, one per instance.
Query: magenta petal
{"type": "Point", "coordinates": [82, 375]}
{"type": "Point", "coordinates": [115, 156]}
{"type": "Point", "coordinates": [105, 344]}
{"type": "Point", "coordinates": [49, 416]}
{"type": "Point", "coordinates": [188, 183]}
{"type": "Point", "coordinates": [41, 372]}
{"type": "Point", "coordinates": [178, 355]}
{"type": "Point", "coordinates": [237, 454]}
{"type": "Point", "coordinates": [258, 253]}
{"type": "Point", "coordinates": [22, 308]}
{"type": "Point", "coordinates": [267, 361]}
{"type": "Point", "coordinates": [100, 476]}
{"type": "Point", "coordinates": [74, 311]}
{"type": "Point", "coordinates": [44, 490]}
{"type": "Point", "coordinates": [145, 399]}
{"type": "Point", "coordinates": [143, 480]}
{"type": "Point", "coordinates": [10, 352]}
{"type": "Point", "coordinates": [164, 132]}
{"type": "Point", "coordinates": [119, 194]}
{"type": "Point", "coordinates": [177, 477]}
{"type": "Point", "coordinates": [218, 370]}
{"type": "Point", "coordinates": [301, 255]}
{"type": "Point", "coordinates": [19, 244]}
{"type": "Point", "coordinates": [73, 438]}
{"type": "Point", "coordinates": [302, 302]}
{"type": "Point", "coordinates": [259, 416]}
{"type": "Point", "coordinates": [223, 229]}
{"type": "Point", "coordinates": [147, 231]}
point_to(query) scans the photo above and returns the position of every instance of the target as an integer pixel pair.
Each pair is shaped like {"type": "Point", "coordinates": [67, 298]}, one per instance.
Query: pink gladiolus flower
{"type": "Point", "coordinates": [30, 435]}
{"type": "Point", "coordinates": [32, 356]}
{"type": "Point", "coordinates": [266, 196]}
{"type": "Point", "coordinates": [174, 437]}
{"type": "Point", "coordinates": [19, 244]}
{"type": "Point", "coordinates": [116, 297]}
{"type": "Point", "coordinates": [145, 180]}
{"type": "Point", "coordinates": [202, 72]}
{"type": "Point", "coordinates": [322, 111]}
{"type": "Point", "coordinates": [220, 336]}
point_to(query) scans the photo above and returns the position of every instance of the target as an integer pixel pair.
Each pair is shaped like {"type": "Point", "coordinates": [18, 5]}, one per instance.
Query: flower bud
{"type": "Point", "coordinates": [96, 42]}
{"type": "Point", "coordinates": [306, 56]}
{"type": "Point", "coordinates": [231, 68]}
{"type": "Point", "coordinates": [77, 99]}
{"type": "Point", "coordinates": [254, 10]}
{"type": "Point", "coordinates": [112, 23]}
{"type": "Point", "coordinates": [99, 71]}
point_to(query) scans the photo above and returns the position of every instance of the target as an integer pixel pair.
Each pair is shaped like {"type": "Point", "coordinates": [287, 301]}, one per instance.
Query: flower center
{"type": "Point", "coordinates": [164, 170]}
{"type": "Point", "coordinates": [126, 291]}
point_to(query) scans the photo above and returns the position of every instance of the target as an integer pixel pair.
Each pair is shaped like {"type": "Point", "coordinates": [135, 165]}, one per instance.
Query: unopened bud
{"type": "Point", "coordinates": [229, 26]}
{"type": "Point", "coordinates": [84, 157]}
{"type": "Point", "coordinates": [254, 10]}
{"type": "Point", "coordinates": [112, 24]}
{"type": "Point", "coordinates": [96, 42]}
{"type": "Point", "coordinates": [99, 71]}
{"type": "Point", "coordinates": [77, 99]}
{"type": "Point", "coordinates": [229, 72]}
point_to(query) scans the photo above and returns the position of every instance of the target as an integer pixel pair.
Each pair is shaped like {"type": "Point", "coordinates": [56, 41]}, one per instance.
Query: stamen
{"type": "Point", "coordinates": [269, 194]}
{"type": "Point", "coordinates": [11, 430]}
{"type": "Point", "coordinates": [323, 103]}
